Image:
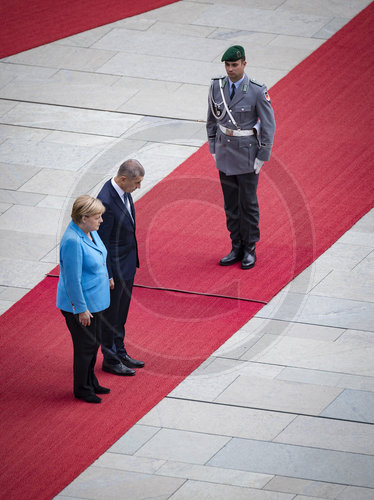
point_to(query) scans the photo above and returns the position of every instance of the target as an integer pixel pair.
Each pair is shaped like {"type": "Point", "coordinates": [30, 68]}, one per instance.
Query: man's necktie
{"type": "Point", "coordinates": [232, 91]}
{"type": "Point", "coordinates": [127, 204]}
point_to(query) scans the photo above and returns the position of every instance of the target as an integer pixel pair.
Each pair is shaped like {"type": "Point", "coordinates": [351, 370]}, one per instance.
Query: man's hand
{"type": "Point", "coordinates": [257, 165]}
{"type": "Point", "coordinates": [111, 283]}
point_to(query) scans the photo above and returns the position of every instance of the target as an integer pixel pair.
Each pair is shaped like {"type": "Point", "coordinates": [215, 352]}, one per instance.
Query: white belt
{"type": "Point", "coordinates": [238, 133]}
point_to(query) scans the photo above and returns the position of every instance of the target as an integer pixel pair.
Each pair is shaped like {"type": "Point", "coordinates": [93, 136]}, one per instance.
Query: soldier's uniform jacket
{"type": "Point", "coordinates": [236, 155]}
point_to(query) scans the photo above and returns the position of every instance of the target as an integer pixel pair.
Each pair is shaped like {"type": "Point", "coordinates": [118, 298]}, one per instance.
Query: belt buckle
{"type": "Point", "coordinates": [229, 132]}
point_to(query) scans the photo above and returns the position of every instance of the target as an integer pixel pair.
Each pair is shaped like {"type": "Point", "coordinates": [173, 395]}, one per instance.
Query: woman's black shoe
{"type": "Point", "coordinates": [90, 398]}
{"type": "Point", "coordinates": [102, 390]}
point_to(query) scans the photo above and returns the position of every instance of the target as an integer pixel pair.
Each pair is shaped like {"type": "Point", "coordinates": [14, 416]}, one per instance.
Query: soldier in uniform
{"type": "Point", "coordinates": [240, 128]}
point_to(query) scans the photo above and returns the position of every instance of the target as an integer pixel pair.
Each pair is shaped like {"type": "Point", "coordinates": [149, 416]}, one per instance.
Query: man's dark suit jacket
{"type": "Point", "coordinates": [117, 232]}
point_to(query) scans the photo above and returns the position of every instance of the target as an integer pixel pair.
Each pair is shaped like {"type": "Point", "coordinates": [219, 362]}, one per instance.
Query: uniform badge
{"type": "Point", "coordinates": [267, 97]}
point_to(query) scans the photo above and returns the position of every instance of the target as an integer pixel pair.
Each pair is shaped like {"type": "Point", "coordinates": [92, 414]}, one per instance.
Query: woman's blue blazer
{"type": "Point", "coordinates": [84, 280]}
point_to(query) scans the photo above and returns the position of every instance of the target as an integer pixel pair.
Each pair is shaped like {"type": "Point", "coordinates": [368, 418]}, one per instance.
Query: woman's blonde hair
{"type": "Point", "coordinates": [86, 205]}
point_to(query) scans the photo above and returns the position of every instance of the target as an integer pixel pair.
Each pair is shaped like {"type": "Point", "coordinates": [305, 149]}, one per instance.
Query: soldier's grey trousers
{"type": "Point", "coordinates": [241, 207]}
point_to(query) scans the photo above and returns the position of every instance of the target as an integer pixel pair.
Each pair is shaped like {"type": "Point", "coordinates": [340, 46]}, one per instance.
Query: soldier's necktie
{"type": "Point", "coordinates": [232, 91]}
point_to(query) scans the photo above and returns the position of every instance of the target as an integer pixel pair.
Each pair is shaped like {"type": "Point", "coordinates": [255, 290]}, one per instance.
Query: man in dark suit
{"type": "Point", "coordinates": [117, 231]}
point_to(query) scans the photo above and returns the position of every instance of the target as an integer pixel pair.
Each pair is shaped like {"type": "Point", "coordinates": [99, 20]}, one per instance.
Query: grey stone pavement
{"type": "Point", "coordinates": [284, 409]}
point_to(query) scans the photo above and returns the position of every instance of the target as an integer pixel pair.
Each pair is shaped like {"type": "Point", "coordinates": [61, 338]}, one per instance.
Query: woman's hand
{"type": "Point", "coordinates": [85, 318]}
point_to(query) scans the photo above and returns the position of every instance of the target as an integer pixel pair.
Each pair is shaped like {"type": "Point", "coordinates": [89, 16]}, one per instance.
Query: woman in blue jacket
{"type": "Point", "coordinates": [83, 292]}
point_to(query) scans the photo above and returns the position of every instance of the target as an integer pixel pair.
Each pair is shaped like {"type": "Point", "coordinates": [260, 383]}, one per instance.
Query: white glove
{"type": "Point", "coordinates": [214, 156]}
{"type": "Point", "coordinates": [257, 165]}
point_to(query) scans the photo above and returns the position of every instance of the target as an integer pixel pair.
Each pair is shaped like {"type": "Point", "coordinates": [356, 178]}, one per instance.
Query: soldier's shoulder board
{"type": "Point", "coordinates": [255, 82]}
{"type": "Point", "coordinates": [218, 77]}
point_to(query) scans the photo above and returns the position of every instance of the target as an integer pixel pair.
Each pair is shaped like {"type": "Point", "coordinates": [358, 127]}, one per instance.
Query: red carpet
{"type": "Point", "coordinates": [27, 24]}
{"type": "Point", "coordinates": [47, 437]}
{"type": "Point", "coordinates": [317, 185]}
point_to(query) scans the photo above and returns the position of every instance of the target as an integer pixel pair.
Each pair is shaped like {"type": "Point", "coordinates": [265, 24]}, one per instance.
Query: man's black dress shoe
{"type": "Point", "coordinates": [101, 390]}
{"type": "Point", "coordinates": [249, 257]}
{"type": "Point", "coordinates": [118, 369]}
{"type": "Point", "coordinates": [235, 255]}
{"type": "Point", "coordinates": [90, 398]}
{"type": "Point", "coordinates": [130, 362]}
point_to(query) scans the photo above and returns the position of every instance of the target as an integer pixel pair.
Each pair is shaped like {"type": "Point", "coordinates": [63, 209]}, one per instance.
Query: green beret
{"type": "Point", "coordinates": [233, 53]}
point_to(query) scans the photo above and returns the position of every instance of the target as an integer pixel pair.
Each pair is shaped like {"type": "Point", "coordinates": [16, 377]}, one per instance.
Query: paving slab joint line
{"type": "Point", "coordinates": [232, 405]}
{"type": "Point", "coordinates": [57, 129]}
{"type": "Point", "coordinates": [312, 480]}
{"type": "Point", "coordinates": [293, 321]}
{"type": "Point", "coordinates": [192, 120]}
{"type": "Point", "coordinates": [308, 369]}
{"type": "Point", "coordinates": [363, 258]}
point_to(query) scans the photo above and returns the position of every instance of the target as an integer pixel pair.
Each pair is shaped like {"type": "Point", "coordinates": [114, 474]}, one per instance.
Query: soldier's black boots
{"type": "Point", "coordinates": [249, 256]}
{"type": "Point", "coordinates": [235, 255]}
{"type": "Point", "coordinates": [246, 253]}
